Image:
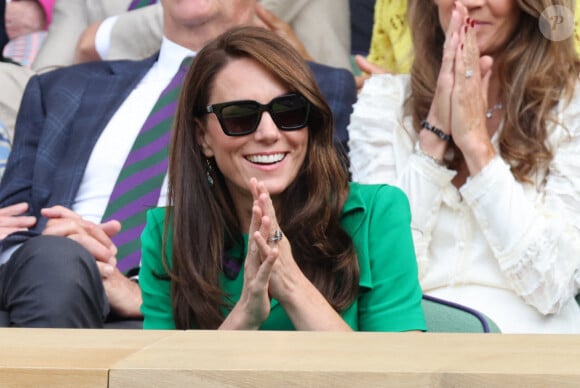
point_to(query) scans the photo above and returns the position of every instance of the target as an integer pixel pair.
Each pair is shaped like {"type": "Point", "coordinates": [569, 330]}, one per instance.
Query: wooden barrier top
{"type": "Point", "coordinates": [125, 358]}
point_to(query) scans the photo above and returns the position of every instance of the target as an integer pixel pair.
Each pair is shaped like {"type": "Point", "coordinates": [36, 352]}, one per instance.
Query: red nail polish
{"type": "Point", "coordinates": [461, 46]}
{"type": "Point", "coordinates": [465, 28]}
{"type": "Point", "coordinates": [472, 23]}
{"type": "Point", "coordinates": [467, 20]}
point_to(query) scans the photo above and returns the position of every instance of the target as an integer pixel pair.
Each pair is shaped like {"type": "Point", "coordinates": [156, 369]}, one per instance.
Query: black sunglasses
{"type": "Point", "coordinates": [238, 118]}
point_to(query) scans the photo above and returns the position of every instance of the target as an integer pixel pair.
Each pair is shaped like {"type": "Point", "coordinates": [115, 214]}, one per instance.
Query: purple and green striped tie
{"type": "Point", "coordinates": [139, 183]}
{"type": "Point", "coordinates": [140, 3]}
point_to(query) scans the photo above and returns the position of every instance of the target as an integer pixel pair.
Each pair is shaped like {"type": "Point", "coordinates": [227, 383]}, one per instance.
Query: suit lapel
{"type": "Point", "coordinates": [104, 92]}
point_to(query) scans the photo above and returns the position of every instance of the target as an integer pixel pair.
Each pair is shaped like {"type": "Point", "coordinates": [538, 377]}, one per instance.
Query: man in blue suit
{"type": "Point", "coordinates": [74, 130]}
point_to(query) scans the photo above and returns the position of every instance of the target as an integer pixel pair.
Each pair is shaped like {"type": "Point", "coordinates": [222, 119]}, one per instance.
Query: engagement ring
{"type": "Point", "coordinates": [468, 73]}
{"type": "Point", "coordinates": [277, 236]}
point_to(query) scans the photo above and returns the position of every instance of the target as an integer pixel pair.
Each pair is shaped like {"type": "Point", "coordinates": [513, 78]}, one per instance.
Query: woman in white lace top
{"type": "Point", "coordinates": [484, 137]}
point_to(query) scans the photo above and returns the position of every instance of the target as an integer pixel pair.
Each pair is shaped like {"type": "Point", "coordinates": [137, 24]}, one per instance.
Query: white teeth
{"type": "Point", "coordinates": [265, 159]}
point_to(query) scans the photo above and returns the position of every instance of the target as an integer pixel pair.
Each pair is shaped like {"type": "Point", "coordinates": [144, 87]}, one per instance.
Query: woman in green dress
{"type": "Point", "coordinates": [264, 230]}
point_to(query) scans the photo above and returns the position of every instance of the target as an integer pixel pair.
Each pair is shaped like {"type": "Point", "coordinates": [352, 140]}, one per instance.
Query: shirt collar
{"type": "Point", "coordinates": [354, 200]}
{"type": "Point", "coordinates": [171, 55]}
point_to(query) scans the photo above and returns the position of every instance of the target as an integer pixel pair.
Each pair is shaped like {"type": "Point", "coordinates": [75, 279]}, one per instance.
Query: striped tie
{"type": "Point", "coordinates": [139, 183]}
{"type": "Point", "coordinates": [140, 3]}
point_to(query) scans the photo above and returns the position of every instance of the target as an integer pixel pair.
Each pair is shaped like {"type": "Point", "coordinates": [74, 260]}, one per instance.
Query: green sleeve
{"type": "Point", "coordinates": [392, 302]}
{"type": "Point", "coordinates": [153, 280]}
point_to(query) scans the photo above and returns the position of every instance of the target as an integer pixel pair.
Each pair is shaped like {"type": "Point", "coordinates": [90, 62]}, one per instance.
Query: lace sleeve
{"type": "Point", "coordinates": [382, 150]}
{"type": "Point", "coordinates": [534, 231]}
{"type": "Point", "coordinates": [375, 117]}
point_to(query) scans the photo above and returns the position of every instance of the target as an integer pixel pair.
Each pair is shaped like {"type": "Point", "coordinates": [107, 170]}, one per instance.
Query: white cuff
{"type": "Point", "coordinates": [103, 36]}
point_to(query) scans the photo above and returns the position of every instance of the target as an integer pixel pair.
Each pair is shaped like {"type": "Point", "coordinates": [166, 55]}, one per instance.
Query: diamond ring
{"type": "Point", "coordinates": [277, 236]}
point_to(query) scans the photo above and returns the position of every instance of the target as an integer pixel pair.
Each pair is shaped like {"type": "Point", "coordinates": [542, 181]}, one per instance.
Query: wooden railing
{"type": "Point", "coordinates": [131, 358]}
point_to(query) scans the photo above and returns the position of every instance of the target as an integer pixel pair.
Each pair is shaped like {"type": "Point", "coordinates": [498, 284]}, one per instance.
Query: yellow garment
{"type": "Point", "coordinates": [391, 40]}
{"type": "Point", "coordinates": [391, 46]}
{"type": "Point", "coordinates": [576, 29]}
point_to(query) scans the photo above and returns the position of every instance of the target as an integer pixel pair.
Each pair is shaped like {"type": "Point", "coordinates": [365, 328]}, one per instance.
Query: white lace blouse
{"type": "Point", "coordinates": [508, 249]}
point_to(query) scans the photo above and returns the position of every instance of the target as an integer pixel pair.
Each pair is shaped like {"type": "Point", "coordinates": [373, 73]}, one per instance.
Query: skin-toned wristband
{"type": "Point", "coordinates": [442, 135]}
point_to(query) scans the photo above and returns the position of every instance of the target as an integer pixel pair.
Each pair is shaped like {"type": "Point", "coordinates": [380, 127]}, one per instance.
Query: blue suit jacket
{"type": "Point", "coordinates": [63, 113]}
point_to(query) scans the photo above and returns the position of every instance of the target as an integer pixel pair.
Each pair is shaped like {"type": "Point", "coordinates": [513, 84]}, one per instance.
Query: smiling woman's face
{"type": "Point", "coordinates": [495, 21]}
{"type": "Point", "coordinates": [269, 154]}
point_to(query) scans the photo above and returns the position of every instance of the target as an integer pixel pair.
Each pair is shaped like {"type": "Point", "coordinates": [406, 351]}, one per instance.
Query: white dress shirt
{"type": "Point", "coordinates": [508, 249]}
{"type": "Point", "coordinates": [103, 36]}
{"type": "Point", "coordinates": [114, 144]}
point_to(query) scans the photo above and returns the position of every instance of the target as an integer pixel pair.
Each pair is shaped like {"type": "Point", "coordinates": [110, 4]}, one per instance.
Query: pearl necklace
{"type": "Point", "coordinates": [489, 113]}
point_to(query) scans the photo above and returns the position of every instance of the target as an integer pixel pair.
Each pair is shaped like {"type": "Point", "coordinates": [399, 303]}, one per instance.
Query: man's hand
{"type": "Point", "coordinates": [12, 220]}
{"type": "Point", "coordinates": [96, 238]}
{"type": "Point", "coordinates": [368, 68]}
{"type": "Point", "coordinates": [86, 50]}
{"type": "Point", "coordinates": [124, 295]}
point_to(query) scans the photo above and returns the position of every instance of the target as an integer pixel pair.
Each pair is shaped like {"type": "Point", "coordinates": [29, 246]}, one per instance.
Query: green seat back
{"type": "Point", "coordinates": [447, 317]}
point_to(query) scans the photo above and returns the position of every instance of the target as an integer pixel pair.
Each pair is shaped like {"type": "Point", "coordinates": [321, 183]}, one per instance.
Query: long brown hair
{"type": "Point", "coordinates": [203, 218]}
{"type": "Point", "coordinates": [535, 74]}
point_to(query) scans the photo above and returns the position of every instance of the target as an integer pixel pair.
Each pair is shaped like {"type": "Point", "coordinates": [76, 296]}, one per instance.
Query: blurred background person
{"type": "Point", "coordinates": [26, 25]}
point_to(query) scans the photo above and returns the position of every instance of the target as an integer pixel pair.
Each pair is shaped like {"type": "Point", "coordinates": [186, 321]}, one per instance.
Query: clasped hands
{"type": "Point", "coordinates": [460, 100]}
{"type": "Point", "coordinates": [123, 294]}
{"type": "Point", "coordinates": [96, 238]}
{"type": "Point", "coordinates": [270, 270]}
{"type": "Point", "coordinates": [66, 223]}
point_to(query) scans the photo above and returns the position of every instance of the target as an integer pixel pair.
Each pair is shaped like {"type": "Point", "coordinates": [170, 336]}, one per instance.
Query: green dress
{"type": "Point", "coordinates": [377, 217]}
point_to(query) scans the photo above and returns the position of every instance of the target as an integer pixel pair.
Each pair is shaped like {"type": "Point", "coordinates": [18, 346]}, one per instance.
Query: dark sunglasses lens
{"type": "Point", "coordinates": [290, 112]}
{"type": "Point", "coordinates": [240, 118]}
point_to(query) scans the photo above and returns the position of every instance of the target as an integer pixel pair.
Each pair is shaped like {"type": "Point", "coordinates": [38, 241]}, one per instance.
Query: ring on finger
{"type": "Point", "coordinates": [468, 73]}
{"type": "Point", "coordinates": [276, 236]}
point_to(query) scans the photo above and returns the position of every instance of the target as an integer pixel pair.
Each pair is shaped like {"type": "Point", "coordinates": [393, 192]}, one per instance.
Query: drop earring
{"type": "Point", "coordinates": [208, 172]}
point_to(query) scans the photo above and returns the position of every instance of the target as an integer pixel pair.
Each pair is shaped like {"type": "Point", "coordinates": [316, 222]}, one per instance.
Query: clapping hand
{"type": "Point", "coordinates": [458, 106]}
{"type": "Point", "coordinates": [468, 125]}
{"type": "Point", "coordinates": [270, 271]}
{"type": "Point", "coordinates": [253, 307]}
{"type": "Point", "coordinates": [285, 273]}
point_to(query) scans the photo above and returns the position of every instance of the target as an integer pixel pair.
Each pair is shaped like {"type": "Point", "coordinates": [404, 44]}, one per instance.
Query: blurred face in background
{"type": "Point", "coordinates": [208, 17]}
{"type": "Point", "coordinates": [495, 21]}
